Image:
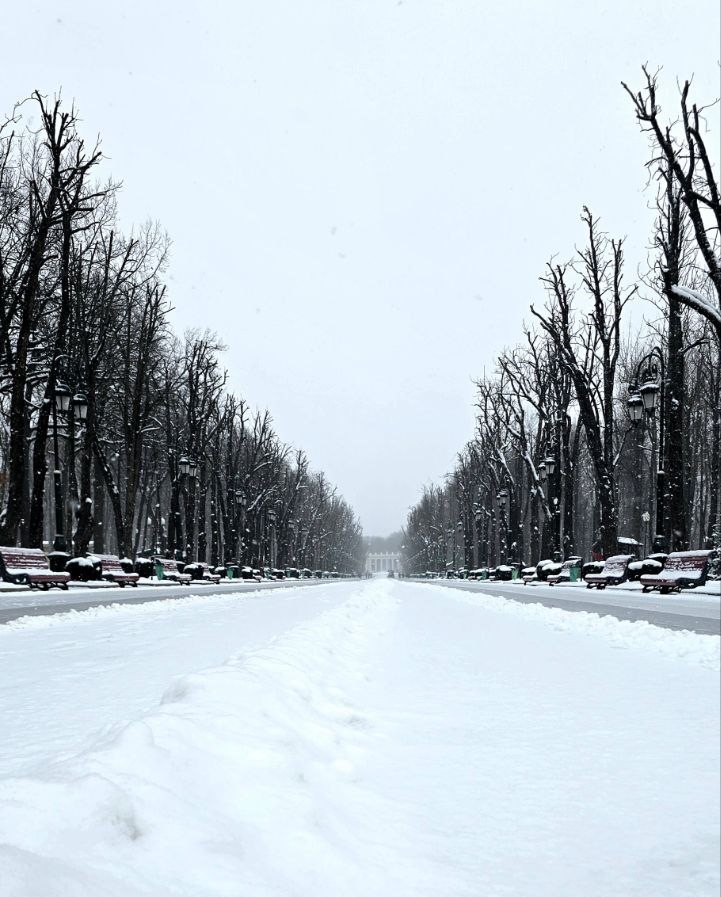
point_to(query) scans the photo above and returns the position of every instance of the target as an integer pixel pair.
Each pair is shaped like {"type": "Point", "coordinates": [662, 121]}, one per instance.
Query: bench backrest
{"type": "Point", "coordinates": [570, 563]}
{"type": "Point", "coordinates": [616, 564]}
{"type": "Point", "coordinates": [687, 560]}
{"type": "Point", "coordinates": [109, 562]}
{"type": "Point", "coordinates": [24, 558]}
{"type": "Point", "coordinates": [168, 564]}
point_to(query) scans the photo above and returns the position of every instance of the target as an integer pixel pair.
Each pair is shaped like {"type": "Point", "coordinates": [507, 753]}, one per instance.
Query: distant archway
{"type": "Point", "coordinates": [383, 562]}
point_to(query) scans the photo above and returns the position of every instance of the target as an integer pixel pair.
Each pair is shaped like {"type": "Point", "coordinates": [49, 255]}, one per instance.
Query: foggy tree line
{"type": "Point", "coordinates": [102, 405]}
{"type": "Point", "coordinates": [566, 455]}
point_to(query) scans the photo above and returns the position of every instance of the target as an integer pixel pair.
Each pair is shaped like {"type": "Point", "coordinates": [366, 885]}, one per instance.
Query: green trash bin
{"type": "Point", "coordinates": [575, 573]}
{"type": "Point", "coordinates": [159, 570]}
{"type": "Point", "coordinates": [514, 573]}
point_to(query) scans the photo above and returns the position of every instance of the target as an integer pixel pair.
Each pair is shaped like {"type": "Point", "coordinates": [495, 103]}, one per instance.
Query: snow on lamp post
{"type": "Point", "coordinates": [635, 408]}
{"type": "Point", "coordinates": [649, 396]}
{"type": "Point", "coordinates": [62, 397]}
{"type": "Point", "coordinates": [80, 406]}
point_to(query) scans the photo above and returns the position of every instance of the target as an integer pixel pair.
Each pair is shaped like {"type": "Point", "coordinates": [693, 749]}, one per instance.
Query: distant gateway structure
{"type": "Point", "coordinates": [383, 562]}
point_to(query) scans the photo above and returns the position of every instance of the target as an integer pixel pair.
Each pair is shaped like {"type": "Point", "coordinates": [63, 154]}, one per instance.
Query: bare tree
{"type": "Point", "coordinates": [680, 148]}
{"type": "Point", "coordinates": [588, 351]}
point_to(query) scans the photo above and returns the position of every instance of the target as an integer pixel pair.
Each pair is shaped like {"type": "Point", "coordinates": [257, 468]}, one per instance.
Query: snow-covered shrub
{"type": "Point", "coordinates": [195, 570]}
{"type": "Point", "coordinates": [546, 567]}
{"type": "Point", "coordinates": [144, 567]}
{"type": "Point", "coordinates": [83, 569]}
{"type": "Point", "coordinates": [636, 569]}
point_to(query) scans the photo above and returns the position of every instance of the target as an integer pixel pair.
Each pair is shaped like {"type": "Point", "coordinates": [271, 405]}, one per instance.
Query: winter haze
{"type": "Point", "coordinates": [361, 196]}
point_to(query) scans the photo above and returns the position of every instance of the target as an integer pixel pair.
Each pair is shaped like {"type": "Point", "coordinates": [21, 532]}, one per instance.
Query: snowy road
{"type": "Point", "coordinates": [357, 740]}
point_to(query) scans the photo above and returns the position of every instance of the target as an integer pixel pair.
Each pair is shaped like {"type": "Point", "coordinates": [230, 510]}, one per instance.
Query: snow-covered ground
{"type": "Point", "coordinates": [375, 738]}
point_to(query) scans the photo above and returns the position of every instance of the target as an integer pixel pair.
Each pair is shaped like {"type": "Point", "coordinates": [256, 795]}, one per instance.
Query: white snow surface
{"type": "Point", "coordinates": [357, 739]}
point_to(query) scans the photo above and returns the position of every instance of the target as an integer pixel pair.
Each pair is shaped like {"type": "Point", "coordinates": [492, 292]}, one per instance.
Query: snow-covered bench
{"type": "Point", "coordinates": [683, 570]}
{"type": "Point", "coordinates": [168, 569]}
{"type": "Point", "coordinates": [543, 570]}
{"type": "Point", "coordinates": [112, 570]}
{"type": "Point", "coordinates": [29, 566]}
{"type": "Point", "coordinates": [615, 571]}
{"type": "Point", "coordinates": [199, 571]}
{"type": "Point", "coordinates": [564, 574]}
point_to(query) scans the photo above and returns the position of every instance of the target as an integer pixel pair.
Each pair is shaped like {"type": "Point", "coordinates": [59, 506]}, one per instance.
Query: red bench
{"type": "Point", "coordinates": [615, 571]}
{"type": "Point", "coordinates": [29, 566]}
{"type": "Point", "coordinates": [210, 577]}
{"type": "Point", "coordinates": [683, 570]}
{"type": "Point", "coordinates": [168, 569]}
{"type": "Point", "coordinates": [112, 570]}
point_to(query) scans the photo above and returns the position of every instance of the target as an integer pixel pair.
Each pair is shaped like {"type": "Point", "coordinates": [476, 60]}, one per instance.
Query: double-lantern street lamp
{"type": "Point", "coordinates": [187, 470]}
{"type": "Point", "coordinates": [239, 546]}
{"type": "Point", "coordinates": [272, 516]}
{"type": "Point", "coordinates": [63, 401]}
{"type": "Point", "coordinates": [187, 467]}
{"type": "Point", "coordinates": [502, 499]}
{"type": "Point", "coordinates": [546, 469]}
{"type": "Point", "coordinates": [648, 395]}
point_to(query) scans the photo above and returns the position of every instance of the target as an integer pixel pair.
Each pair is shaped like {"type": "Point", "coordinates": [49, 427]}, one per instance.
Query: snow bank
{"type": "Point", "coordinates": [238, 762]}
{"type": "Point", "coordinates": [704, 650]}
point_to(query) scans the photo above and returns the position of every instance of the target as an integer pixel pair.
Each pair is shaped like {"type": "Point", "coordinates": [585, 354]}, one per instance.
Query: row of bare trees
{"type": "Point", "coordinates": [566, 458]}
{"type": "Point", "coordinates": [150, 451]}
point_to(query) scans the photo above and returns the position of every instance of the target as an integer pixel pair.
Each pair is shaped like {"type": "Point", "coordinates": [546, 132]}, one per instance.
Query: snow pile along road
{"type": "Point", "coordinates": [411, 741]}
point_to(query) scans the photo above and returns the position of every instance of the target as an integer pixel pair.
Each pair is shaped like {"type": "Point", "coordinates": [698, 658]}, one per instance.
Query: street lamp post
{"type": "Point", "coordinates": [271, 537]}
{"type": "Point", "coordinates": [188, 469]}
{"type": "Point", "coordinates": [502, 503]}
{"type": "Point", "coordinates": [239, 541]}
{"type": "Point", "coordinates": [61, 404]}
{"type": "Point", "coordinates": [648, 395]}
{"type": "Point", "coordinates": [63, 400]}
{"type": "Point", "coordinates": [478, 521]}
{"type": "Point", "coordinates": [550, 466]}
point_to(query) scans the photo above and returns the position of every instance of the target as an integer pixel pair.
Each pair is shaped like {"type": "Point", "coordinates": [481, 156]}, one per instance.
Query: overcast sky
{"type": "Point", "coordinates": [361, 195]}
